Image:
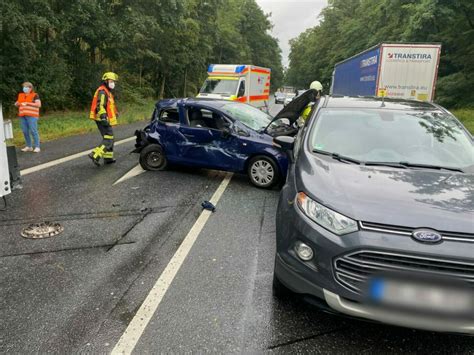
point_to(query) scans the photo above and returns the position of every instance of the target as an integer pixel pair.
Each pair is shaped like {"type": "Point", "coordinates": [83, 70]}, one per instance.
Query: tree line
{"type": "Point", "coordinates": [159, 48]}
{"type": "Point", "coordinates": [349, 26]}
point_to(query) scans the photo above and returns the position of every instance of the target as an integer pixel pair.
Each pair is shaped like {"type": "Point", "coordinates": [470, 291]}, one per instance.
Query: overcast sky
{"type": "Point", "coordinates": [290, 18]}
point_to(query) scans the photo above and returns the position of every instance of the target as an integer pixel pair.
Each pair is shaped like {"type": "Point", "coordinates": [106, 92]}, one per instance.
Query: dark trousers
{"type": "Point", "coordinates": [106, 148]}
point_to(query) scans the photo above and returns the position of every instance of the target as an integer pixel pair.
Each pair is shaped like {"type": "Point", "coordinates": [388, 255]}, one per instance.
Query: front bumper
{"type": "Point", "coordinates": [334, 303]}
{"type": "Point", "coordinates": [409, 320]}
{"type": "Point", "coordinates": [316, 279]}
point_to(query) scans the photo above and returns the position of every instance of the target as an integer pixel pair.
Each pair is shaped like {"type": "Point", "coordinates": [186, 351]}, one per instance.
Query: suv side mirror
{"type": "Point", "coordinates": [285, 142]}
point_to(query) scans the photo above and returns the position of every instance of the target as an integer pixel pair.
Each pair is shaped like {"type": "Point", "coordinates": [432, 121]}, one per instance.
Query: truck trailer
{"type": "Point", "coordinates": [238, 82]}
{"type": "Point", "coordinates": [395, 70]}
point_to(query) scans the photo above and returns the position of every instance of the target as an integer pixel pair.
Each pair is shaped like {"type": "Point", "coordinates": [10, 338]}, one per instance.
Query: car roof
{"type": "Point", "coordinates": [371, 102]}
{"type": "Point", "coordinates": [212, 103]}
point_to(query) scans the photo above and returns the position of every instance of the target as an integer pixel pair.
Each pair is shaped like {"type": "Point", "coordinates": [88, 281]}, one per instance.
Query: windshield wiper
{"type": "Point", "coordinates": [337, 156]}
{"type": "Point", "coordinates": [405, 165]}
{"type": "Point", "coordinates": [385, 163]}
{"type": "Point", "coordinates": [429, 166]}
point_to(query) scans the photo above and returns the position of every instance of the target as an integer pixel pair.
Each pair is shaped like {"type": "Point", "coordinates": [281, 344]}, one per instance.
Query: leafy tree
{"type": "Point", "coordinates": [158, 47]}
{"type": "Point", "coordinates": [350, 26]}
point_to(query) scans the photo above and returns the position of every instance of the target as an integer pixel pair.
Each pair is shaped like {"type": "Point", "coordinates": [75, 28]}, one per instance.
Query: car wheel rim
{"type": "Point", "coordinates": [154, 159]}
{"type": "Point", "coordinates": [262, 173]}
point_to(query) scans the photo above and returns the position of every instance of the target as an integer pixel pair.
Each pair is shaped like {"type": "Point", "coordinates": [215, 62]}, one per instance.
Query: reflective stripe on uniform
{"type": "Point", "coordinates": [102, 109]}
{"type": "Point", "coordinates": [108, 137]}
{"type": "Point", "coordinates": [99, 151]}
{"type": "Point", "coordinates": [108, 155]}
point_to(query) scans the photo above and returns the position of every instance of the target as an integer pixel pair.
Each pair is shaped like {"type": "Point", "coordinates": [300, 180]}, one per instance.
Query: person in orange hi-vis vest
{"type": "Point", "coordinates": [104, 113]}
{"type": "Point", "coordinates": [29, 104]}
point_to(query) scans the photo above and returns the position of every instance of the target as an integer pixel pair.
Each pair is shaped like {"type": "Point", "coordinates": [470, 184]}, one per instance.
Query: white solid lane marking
{"type": "Point", "coordinates": [66, 159]}
{"type": "Point", "coordinates": [132, 173]}
{"type": "Point", "coordinates": [135, 329]}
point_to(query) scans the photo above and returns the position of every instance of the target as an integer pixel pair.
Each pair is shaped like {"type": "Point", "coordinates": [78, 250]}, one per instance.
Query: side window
{"type": "Point", "coordinates": [241, 89]}
{"type": "Point", "coordinates": [170, 115]}
{"type": "Point", "coordinates": [204, 118]}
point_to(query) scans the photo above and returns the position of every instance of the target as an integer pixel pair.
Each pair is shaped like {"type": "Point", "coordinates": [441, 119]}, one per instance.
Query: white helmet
{"type": "Point", "coordinates": [316, 85]}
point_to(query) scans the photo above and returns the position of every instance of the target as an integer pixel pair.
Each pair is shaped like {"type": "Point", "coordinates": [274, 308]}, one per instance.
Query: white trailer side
{"type": "Point", "coordinates": [408, 71]}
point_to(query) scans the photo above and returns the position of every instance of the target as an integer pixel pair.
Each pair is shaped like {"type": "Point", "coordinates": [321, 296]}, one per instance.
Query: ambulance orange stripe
{"type": "Point", "coordinates": [260, 71]}
{"type": "Point", "coordinates": [259, 97]}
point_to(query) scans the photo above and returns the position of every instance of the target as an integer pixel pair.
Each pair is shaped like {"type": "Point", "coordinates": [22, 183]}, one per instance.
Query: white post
{"type": "Point", "coordinates": [5, 187]}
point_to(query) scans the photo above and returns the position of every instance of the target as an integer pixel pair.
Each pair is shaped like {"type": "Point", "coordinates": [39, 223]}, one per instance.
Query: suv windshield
{"type": "Point", "coordinates": [250, 116]}
{"type": "Point", "coordinates": [387, 136]}
{"type": "Point", "coordinates": [220, 86]}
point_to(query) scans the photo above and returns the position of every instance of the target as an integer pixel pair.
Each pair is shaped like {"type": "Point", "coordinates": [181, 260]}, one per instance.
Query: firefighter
{"type": "Point", "coordinates": [104, 113]}
{"type": "Point", "coordinates": [315, 85]}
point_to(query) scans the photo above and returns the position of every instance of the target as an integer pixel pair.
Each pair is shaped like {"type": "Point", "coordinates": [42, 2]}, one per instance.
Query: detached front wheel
{"type": "Point", "coordinates": [153, 158]}
{"type": "Point", "coordinates": [263, 172]}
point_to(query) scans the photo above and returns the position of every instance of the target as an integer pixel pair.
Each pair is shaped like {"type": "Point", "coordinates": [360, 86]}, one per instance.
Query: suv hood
{"type": "Point", "coordinates": [402, 197]}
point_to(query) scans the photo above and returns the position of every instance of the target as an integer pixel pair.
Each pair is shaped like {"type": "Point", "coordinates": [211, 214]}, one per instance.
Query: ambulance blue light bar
{"type": "Point", "coordinates": [227, 68]}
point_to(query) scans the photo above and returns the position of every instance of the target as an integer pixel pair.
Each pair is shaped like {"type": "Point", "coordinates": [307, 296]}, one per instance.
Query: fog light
{"type": "Point", "coordinates": [303, 251]}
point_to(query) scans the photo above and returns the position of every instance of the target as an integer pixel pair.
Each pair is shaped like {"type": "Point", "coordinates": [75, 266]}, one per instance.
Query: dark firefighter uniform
{"type": "Point", "coordinates": [104, 113]}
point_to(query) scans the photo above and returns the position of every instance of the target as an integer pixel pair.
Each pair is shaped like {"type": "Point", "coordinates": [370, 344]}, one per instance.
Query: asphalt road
{"type": "Point", "coordinates": [79, 291]}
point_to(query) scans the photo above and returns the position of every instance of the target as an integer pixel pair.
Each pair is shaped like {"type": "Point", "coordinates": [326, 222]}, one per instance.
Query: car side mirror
{"type": "Point", "coordinates": [285, 142]}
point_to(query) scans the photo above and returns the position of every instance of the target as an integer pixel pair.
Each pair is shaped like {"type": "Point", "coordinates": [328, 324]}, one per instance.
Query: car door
{"type": "Point", "coordinates": [208, 140]}
{"type": "Point", "coordinates": [165, 130]}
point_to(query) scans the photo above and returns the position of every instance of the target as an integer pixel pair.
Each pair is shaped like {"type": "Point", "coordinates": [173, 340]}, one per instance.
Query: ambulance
{"type": "Point", "coordinates": [238, 82]}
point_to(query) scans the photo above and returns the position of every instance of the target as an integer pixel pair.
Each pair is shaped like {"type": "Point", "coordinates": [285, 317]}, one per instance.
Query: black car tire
{"type": "Point", "coordinates": [256, 168]}
{"type": "Point", "coordinates": [279, 290]}
{"type": "Point", "coordinates": [153, 158]}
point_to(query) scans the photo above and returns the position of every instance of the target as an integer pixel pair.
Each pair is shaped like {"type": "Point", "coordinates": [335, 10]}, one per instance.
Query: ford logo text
{"type": "Point", "coordinates": [427, 236]}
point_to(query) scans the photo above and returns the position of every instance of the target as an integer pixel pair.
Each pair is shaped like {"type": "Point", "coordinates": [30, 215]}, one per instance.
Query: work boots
{"type": "Point", "coordinates": [95, 160]}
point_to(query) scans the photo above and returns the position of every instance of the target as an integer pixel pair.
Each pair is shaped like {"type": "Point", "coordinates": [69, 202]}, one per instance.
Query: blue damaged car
{"type": "Point", "coordinates": [218, 134]}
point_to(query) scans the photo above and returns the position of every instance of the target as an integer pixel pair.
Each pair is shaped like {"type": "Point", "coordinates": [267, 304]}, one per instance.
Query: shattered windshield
{"type": "Point", "coordinates": [250, 116]}
{"type": "Point", "coordinates": [220, 86]}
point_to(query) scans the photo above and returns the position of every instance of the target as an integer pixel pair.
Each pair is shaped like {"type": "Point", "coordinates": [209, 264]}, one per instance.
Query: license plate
{"type": "Point", "coordinates": [428, 297]}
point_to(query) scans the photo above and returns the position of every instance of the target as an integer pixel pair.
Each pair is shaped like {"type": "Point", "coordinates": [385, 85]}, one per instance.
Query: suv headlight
{"type": "Point", "coordinates": [325, 217]}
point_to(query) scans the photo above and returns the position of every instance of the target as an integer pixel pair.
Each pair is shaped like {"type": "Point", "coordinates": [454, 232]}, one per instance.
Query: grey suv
{"type": "Point", "coordinates": [376, 218]}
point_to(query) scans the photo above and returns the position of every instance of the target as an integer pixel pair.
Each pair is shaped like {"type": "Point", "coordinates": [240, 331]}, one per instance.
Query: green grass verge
{"type": "Point", "coordinates": [64, 124]}
{"type": "Point", "coordinates": [466, 116]}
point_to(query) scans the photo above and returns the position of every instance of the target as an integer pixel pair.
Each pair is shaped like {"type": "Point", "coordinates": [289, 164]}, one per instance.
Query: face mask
{"type": "Point", "coordinates": [26, 89]}
{"type": "Point", "coordinates": [112, 85]}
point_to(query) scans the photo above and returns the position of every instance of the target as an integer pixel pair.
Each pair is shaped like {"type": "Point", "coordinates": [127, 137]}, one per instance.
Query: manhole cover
{"type": "Point", "coordinates": [42, 230]}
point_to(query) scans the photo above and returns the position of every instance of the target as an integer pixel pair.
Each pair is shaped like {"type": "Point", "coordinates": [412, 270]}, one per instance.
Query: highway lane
{"type": "Point", "coordinates": [79, 291]}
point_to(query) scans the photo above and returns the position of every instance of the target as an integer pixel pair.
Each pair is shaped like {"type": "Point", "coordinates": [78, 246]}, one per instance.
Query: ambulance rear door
{"type": "Point", "coordinates": [259, 86]}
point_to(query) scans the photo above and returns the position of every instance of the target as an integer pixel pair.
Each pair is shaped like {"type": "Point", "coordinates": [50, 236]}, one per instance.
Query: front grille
{"type": "Point", "coordinates": [353, 270]}
{"type": "Point", "coordinates": [400, 230]}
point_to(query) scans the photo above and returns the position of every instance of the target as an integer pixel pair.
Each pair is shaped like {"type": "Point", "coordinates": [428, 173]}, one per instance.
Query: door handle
{"type": "Point", "coordinates": [188, 135]}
